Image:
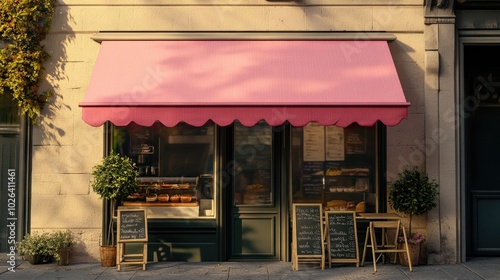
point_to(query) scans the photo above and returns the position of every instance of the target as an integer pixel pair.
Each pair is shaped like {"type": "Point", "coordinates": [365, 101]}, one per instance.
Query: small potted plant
{"type": "Point", "coordinates": [37, 248]}
{"type": "Point", "coordinates": [413, 193]}
{"type": "Point", "coordinates": [114, 178]}
{"type": "Point", "coordinates": [63, 241]}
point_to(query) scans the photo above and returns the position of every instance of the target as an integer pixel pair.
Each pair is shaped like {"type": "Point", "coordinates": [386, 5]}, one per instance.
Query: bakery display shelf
{"type": "Point", "coordinates": [348, 191]}
{"type": "Point", "coordinates": [346, 175]}
{"type": "Point", "coordinates": [162, 204]}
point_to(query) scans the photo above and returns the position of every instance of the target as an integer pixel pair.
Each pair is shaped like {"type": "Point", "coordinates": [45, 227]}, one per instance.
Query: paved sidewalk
{"type": "Point", "coordinates": [480, 268]}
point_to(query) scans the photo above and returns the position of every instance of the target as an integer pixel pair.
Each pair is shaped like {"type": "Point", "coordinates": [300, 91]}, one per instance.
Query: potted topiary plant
{"type": "Point", "coordinates": [114, 178]}
{"type": "Point", "coordinates": [63, 241]}
{"type": "Point", "coordinates": [413, 193]}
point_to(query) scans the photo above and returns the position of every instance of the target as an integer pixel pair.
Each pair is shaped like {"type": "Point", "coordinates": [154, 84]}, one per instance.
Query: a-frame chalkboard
{"type": "Point", "coordinates": [132, 225]}
{"type": "Point", "coordinates": [342, 237]}
{"type": "Point", "coordinates": [307, 234]}
{"type": "Point", "coordinates": [132, 228]}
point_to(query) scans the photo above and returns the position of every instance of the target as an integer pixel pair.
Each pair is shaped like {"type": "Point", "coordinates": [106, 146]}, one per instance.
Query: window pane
{"type": "Point", "coordinates": [334, 166]}
{"type": "Point", "coordinates": [253, 168]}
{"type": "Point", "coordinates": [9, 111]}
{"type": "Point", "coordinates": [176, 166]}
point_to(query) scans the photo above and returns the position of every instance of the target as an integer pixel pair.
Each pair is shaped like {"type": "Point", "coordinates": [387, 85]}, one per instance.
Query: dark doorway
{"type": "Point", "coordinates": [10, 174]}
{"type": "Point", "coordinates": [481, 113]}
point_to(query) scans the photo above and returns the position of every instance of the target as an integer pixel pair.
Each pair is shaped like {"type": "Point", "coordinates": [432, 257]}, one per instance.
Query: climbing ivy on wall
{"type": "Point", "coordinates": [23, 26]}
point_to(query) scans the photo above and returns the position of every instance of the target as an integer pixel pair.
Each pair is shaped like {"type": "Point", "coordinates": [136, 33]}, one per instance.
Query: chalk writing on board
{"type": "Point", "coordinates": [308, 229]}
{"type": "Point", "coordinates": [342, 235]}
{"type": "Point", "coordinates": [132, 225]}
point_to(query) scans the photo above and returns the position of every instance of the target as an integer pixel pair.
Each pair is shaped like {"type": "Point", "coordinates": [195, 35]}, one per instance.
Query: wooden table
{"type": "Point", "coordinates": [382, 221]}
{"type": "Point", "coordinates": [379, 216]}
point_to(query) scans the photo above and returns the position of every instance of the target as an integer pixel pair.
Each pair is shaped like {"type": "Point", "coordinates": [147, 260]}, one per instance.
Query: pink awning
{"type": "Point", "coordinates": [328, 82]}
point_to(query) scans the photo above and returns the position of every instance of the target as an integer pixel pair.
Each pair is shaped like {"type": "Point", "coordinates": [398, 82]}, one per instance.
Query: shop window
{"type": "Point", "coordinates": [176, 166]}
{"type": "Point", "coordinates": [9, 111]}
{"type": "Point", "coordinates": [335, 166]}
{"type": "Point", "coordinates": [253, 164]}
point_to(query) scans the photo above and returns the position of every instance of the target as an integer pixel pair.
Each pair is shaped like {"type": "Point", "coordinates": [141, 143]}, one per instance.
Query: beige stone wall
{"type": "Point", "coordinates": [65, 148]}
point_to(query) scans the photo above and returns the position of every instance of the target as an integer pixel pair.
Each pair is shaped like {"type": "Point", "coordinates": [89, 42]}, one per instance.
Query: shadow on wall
{"type": "Point", "coordinates": [60, 36]}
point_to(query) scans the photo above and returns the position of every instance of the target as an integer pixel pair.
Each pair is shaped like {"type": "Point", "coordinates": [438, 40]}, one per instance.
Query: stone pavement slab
{"type": "Point", "coordinates": [480, 268]}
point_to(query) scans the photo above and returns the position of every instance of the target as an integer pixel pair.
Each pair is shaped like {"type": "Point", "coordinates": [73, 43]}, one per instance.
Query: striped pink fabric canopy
{"type": "Point", "coordinates": [328, 82]}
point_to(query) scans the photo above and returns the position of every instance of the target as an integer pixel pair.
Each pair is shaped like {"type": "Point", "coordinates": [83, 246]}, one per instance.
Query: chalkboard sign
{"type": "Point", "coordinates": [308, 229]}
{"type": "Point", "coordinates": [342, 236]}
{"type": "Point", "coordinates": [307, 234]}
{"type": "Point", "coordinates": [132, 226]}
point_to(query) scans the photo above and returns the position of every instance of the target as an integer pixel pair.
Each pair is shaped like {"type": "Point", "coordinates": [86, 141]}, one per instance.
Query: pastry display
{"type": "Point", "coordinates": [166, 186]}
{"type": "Point", "coordinates": [135, 197]}
{"type": "Point", "coordinates": [163, 197]}
{"type": "Point", "coordinates": [175, 198]}
{"type": "Point", "coordinates": [336, 204]}
{"type": "Point", "coordinates": [254, 187]}
{"type": "Point", "coordinates": [351, 206]}
{"type": "Point", "coordinates": [164, 192]}
{"type": "Point", "coordinates": [255, 194]}
{"type": "Point", "coordinates": [361, 207]}
{"type": "Point", "coordinates": [186, 198]}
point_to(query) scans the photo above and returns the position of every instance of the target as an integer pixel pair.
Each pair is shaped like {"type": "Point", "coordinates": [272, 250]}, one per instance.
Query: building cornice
{"type": "Point", "coordinates": [172, 36]}
{"type": "Point", "coordinates": [439, 12]}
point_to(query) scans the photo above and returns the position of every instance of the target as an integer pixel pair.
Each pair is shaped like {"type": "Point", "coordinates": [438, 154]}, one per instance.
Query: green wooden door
{"type": "Point", "coordinates": [254, 212]}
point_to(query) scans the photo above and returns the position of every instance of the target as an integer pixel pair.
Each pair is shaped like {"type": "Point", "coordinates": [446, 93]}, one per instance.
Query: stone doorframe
{"type": "Point", "coordinates": [441, 130]}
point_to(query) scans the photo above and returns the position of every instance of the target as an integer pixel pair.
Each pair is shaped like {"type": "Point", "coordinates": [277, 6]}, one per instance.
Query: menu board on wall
{"type": "Point", "coordinates": [342, 237]}
{"type": "Point", "coordinates": [335, 143]}
{"type": "Point", "coordinates": [355, 141]}
{"type": "Point", "coordinates": [314, 142]}
{"type": "Point", "coordinates": [312, 178]}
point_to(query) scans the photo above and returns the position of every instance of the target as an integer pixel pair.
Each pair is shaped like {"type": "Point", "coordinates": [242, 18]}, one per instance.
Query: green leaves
{"type": "Point", "coordinates": [24, 24]}
{"type": "Point", "coordinates": [45, 243]}
{"type": "Point", "coordinates": [413, 193]}
{"type": "Point", "coordinates": [115, 177]}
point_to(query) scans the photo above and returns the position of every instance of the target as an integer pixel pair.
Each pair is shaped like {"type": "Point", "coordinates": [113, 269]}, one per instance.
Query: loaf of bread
{"type": "Point", "coordinates": [361, 207]}
{"type": "Point", "coordinates": [163, 197]}
{"type": "Point", "coordinates": [175, 198]}
{"type": "Point", "coordinates": [336, 204]}
{"type": "Point", "coordinates": [186, 198]}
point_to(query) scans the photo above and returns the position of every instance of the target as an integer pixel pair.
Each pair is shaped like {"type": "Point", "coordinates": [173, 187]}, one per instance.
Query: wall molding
{"type": "Point", "coordinates": [210, 36]}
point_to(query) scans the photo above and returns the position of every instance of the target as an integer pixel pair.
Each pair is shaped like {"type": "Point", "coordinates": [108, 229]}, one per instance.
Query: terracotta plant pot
{"type": "Point", "coordinates": [108, 256]}
{"type": "Point", "coordinates": [64, 256]}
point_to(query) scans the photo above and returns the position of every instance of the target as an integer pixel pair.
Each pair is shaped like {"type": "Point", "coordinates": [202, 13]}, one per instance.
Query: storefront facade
{"type": "Point", "coordinates": [248, 157]}
{"type": "Point", "coordinates": [216, 157]}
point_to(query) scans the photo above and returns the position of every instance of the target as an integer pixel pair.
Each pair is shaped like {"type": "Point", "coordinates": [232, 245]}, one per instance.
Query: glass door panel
{"type": "Point", "coordinates": [255, 214]}
{"type": "Point", "coordinates": [253, 165]}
